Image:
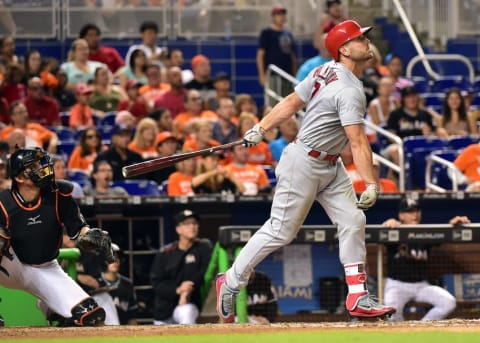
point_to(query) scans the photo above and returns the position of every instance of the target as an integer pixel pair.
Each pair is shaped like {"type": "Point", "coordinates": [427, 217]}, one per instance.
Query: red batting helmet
{"type": "Point", "coordinates": [341, 34]}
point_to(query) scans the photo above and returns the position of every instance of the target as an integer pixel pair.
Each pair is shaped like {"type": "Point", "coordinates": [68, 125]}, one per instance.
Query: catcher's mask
{"type": "Point", "coordinates": [35, 163]}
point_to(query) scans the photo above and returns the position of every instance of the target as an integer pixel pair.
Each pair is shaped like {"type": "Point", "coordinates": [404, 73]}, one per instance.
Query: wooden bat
{"type": "Point", "coordinates": [163, 162]}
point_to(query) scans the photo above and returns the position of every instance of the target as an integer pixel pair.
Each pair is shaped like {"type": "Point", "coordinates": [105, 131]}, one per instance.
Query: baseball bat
{"type": "Point", "coordinates": [163, 162]}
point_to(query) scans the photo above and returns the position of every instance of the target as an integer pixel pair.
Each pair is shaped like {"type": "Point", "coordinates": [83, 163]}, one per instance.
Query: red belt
{"type": "Point", "coordinates": [330, 158]}
{"type": "Point", "coordinates": [316, 154]}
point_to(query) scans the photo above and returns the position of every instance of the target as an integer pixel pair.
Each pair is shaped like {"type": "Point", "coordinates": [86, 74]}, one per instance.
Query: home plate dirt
{"type": "Point", "coordinates": [454, 325]}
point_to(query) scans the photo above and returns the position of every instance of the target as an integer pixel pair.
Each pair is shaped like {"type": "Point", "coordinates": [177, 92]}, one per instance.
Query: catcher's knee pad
{"type": "Point", "coordinates": [88, 313]}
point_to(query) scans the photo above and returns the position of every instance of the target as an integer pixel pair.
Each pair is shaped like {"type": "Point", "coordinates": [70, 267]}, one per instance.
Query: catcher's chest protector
{"type": "Point", "coordinates": [36, 232]}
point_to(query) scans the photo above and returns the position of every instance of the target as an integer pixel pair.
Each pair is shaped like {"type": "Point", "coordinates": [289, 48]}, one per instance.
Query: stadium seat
{"type": "Point", "coordinates": [108, 119]}
{"type": "Point", "coordinates": [444, 83]}
{"type": "Point", "coordinates": [476, 84]}
{"type": "Point", "coordinates": [65, 148]}
{"type": "Point", "coordinates": [416, 149]}
{"type": "Point", "coordinates": [270, 170]}
{"type": "Point", "coordinates": [65, 118]}
{"type": "Point", "coordinates": [163, 188]}
{"type": "Point", "coordinates": [63, 133]}
{"type": "Point", "coordinates": [439, 175]}
{"type": "Point", "coordinates": [105, 131]}
{"type": "Point", "coordinates": [433, 100]}
{"type": "Point", "coordinates": [460, 142]}
{"type": "Point", "coordinates": [77, 174]}
{"type": "Point", "coordinates": [422, 84]}
{"type": "Point", "coordinates": [138, 187]}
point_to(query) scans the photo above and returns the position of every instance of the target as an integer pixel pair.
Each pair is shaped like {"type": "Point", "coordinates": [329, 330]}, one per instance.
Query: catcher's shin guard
{"type": "Point", "coordinates": [88, 313]}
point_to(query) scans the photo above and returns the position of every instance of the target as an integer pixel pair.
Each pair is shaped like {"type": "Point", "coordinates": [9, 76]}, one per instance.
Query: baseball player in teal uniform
{"type": "Point", "coordinates": [309, 170]}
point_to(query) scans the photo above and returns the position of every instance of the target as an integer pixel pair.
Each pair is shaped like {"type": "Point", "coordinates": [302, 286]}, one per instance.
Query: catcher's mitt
{"type": "Point", "coordinates": [96, 239]}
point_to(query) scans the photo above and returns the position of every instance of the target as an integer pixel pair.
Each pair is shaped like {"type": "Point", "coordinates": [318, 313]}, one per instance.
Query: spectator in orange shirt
{"type": "Point", "coordinates": [259, 154]}
{"type": "Point", "coordinates": [253, 178]}
{"type": "Point", "coordinates": [194, 106]}
{"type": "Point", "coordinates": [89, 145]}
{"type": "Point", "coordinates": [41, 108]}
{"type": "Point", "coordinates": [468, 164]}
{"type": "Point", "coordinates": [37, 134]}
{"type": "Point", "coordinates": [154, 86]}
{"type": "Point", "coordinates": [180, 182]}
{"type": "Point", "coordinates": [144, 140]}
{"type": "Point", "coordinates": [201, 137]}
{"type": "Point", "coordinates": [81, 114]}
{"type": "Point", "coordinates": [385, 185]}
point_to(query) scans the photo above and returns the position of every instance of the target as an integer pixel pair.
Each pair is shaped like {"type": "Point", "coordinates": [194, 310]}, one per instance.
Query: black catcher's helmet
{"type": "Point", "coordinates": [42, 176]}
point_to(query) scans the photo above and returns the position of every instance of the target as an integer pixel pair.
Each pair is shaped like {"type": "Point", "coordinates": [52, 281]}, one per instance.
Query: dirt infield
{"type": "Point", "coordinates": [150, 330]}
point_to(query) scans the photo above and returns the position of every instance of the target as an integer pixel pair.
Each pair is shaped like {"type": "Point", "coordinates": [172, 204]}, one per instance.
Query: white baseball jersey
{"type": "Point", "coordinates": [334, 98]}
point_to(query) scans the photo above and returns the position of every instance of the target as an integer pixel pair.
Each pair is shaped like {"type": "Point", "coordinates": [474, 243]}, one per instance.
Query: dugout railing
{"type": "Point", "coordinates": [231, 239]}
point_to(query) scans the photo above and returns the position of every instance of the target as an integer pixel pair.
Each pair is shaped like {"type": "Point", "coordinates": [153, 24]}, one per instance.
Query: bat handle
{"type": "Point", "coordinates": [124, 172]}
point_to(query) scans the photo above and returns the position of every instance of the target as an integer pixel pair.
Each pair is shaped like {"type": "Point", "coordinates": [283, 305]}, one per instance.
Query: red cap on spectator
{"type": "Point", "coordinates": [132, 83]}
{"type": "Point", "coordinates": [278, 9]}
{"type": "Point", "coordinates": [199, 58]}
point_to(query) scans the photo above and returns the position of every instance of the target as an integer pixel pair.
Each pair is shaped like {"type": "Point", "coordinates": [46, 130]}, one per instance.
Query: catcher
{"type": "Point", "coordinates": [33, 214]}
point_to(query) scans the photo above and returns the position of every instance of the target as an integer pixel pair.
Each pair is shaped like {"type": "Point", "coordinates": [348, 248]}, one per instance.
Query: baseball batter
{"type": "Point", "coordinates": [33, 214]}
{"type": "Point", "coordinates": [309, 170]}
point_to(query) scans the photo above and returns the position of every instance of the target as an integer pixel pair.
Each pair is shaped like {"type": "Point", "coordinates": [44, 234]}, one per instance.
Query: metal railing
{"type": "Point", "coordinates": [451, 170]}
{"type": "Point", "coordinates": [441, 57]}
{"type": "Point", "coordinates": [398, 168]}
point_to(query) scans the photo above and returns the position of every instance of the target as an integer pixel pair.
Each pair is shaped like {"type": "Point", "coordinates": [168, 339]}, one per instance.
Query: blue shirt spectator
{"type": "Point", "coordinates": [309, 65]}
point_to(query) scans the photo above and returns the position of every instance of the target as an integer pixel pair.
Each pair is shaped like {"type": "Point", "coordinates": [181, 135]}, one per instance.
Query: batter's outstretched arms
{"type": "Point", "coordinates": [362, 157]}
{"type": "Point", "coordinates": [279, 113]}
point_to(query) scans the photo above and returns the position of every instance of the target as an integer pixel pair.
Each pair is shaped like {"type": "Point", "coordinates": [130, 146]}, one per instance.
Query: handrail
{"type": "Point", "coordinates": [270, 93]}
{"type": "Point", "coordinates": [272, 68]}
{"type": "Point", "coordinates": [428, 173]}
{"type": "Point", "coordinates": [400, 168]}
{"type": "Point", "coordinates": [442, 57]}
{"type": "Point", "coordinates": [415, 41]}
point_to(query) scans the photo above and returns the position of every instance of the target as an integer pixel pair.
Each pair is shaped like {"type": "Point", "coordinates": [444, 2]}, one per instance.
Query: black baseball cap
{"type": "Point", "coordinates": [185, 214]}
{"type": "Point", "coordinates": [332, 2]}
{"type": "Point", "coordinates": [408, 204]}
{"type": "Point", "coordinates": [409, 90]}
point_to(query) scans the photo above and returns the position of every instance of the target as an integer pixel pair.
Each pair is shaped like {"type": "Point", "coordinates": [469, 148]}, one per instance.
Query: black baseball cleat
{"type": "Point", "coordinates": [2, 321]}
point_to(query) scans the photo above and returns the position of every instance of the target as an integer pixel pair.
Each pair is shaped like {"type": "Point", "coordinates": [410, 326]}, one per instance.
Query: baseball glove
{"type": "Point", "coordinates": [96, 239]}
